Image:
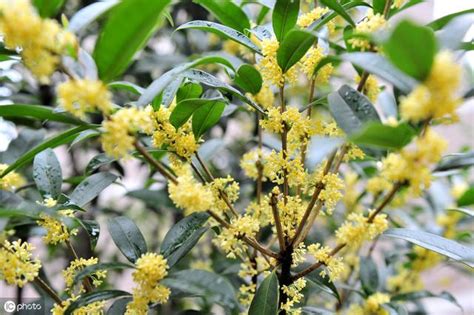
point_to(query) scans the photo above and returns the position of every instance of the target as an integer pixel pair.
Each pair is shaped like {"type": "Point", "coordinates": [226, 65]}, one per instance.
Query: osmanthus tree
{"type": "Point", "coordinates": [286, 140]}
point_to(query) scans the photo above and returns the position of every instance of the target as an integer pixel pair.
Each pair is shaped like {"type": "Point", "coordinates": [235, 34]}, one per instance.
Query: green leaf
{"type": "Point", "coordinates": [119, 306]}
{"type": "Point", "coordinates": [93, 230]}
{"type": "Point", "coordinates": [424, 294]}
{"type": "Point", "coordinates": [156, 199]}
{"type": "Point", "coordinates": [85, 16]}
{"type": "Point", "coordinates": [157, 86]}
{"type": "Point", "coordinates": [127, 237]}
{"type": "Point", "coordinates": [378, 5]}
{"type": "Point", "coordinates": [91, 187]}
{"type": "Point", "coordinates": [185, 109]}
{"type": "Point", "coordinates": [441, 22]}
{"type": "Point", "coordinates": [228, 13]}
{"type": "Point", "coordinates": [411, 48]}
{"type": "Point", "coordinates": [378, 65]}
{"type": "Point", "coordinates": [207, 116]}
{"type": "Point", "coordinates": [452, 35]}
{"type": "Point", "coordinates": [435, 243]}
{"type": "Point", "coordinates": [465, 211]}
{"type": "Point", "coordinates": [48, 8]}
{"type": "Point", "coordinates": [369, 276]}
{"type": "Point", "coordinates": [182, 237]}
{"type": "Point", "coordinates": [126, 86]}
{"type": "Point", "coordinates": [188, 90]}
{"type": "Point", "coordinates": [266, 299]}
{"type": "Point", "coordinates": [323, 283]}
{"type": "Point", "coordinates": [293, 48]}
{"type": "Point", "coordinates": [332, 15]}
{"type": "Point", "coordinates": [92, 297]}
{"type": "Point", "coordinates": [128, 27]}
{"type": "Point", "coordinates": [223, 31]}
{"type": "Point", "coordinates": [37, 112]}
{"type": "Point", "coordinates": [455, 161]}
{"type": "Point", "coordinates": [210, 80]}
{"type": "Point", "coordinates": [339, 10]}
{"type": "Point", "coordinates": [249, 79]}
{"type": "Point", "coordinates": [351, 110]}
{"type": "Point", "coordinates": [285, 15]}
{"type": "Point", "coordinates": [211, 286]}
{"type": "Point", "coordinates": [98, 161]}
{"type": "Point", "coordinates": [384, 136]}
{"type": "Point", "coordinates": [52, 142]}
{"type": "Point", "coordinates": [89, 270]}
{"type": "Point", "coordinates": [47, 174]}
{"type": "Point", "coordinates": [467, 198]}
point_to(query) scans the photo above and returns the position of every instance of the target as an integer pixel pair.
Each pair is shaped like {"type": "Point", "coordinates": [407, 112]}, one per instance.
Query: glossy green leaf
{"type": "Point", "coordinates": [222, 30]}
{"type": "Point", "coordinates": [211, 81]}
{"type": "Point", "coordinates": [182, 237]}
{"type": "Point", "coordinates": [323, 283]}
{"type": "Point", "coordinates": [91, 187]}
{"type": "Point", "coordinates": [285, 15]}
{"type": "Point", "coordinates": [436, 243]}
{"type": "Point", "coordinates": [465, 211]}
{"type": "Point", "coordinates": [339, 10]}
{"type": "Point", "coordinates": [91, 297]}
{"type": "Point", "coordinates": [411, 48]}
{"type": "Point", "coordinates": [85, 16]}
{"type": "Point", "coordinates": [128, 27]}
{"type": "Point", "coordinates": [384, 136]}
{"type": "Point", "coordinates": [328, 17]}
{"type": "Point", "coordinates": [97, 161]}
{"type": "Point", "coordinates": [207, 116]}
{"type": "Point", "coordinates": [213, 287]}
{"type": "Point", "coordinates": [48, 8]}
{"type": "Point", "coordinates": [452, 35]}
{"type": "Point", "coordinates": [443, 21]}
{"type": "Point", "coordinates": [266, 299]}
{"type": "Point", "coordinates": [228, 13]}
{"type": "Point", "coordinates": [89, 270]}
{"type": "Point", "coordinates": [369, 276]}
{"type": "Point", "coordinates": [467, 198]}
{"type": "Point", "coordinates": [185, 109]}
{"type": "Point", "coordinates": [157, 86]}
{"type": "Point", "coordinates": [378, 65]}
{"type": "Point", "coordinates": [455, 161]}
{"type": "Point", "coordinates": [293, 48]}
{"type": "Point", "coordinates": [127, 237]}
{"type": "Point", "coordinates": [37, 112]}
{"type": "Point", "coordinates": [351, 110]}
{"type": "Point", "coordinates": [249, 79]}
{"type": "Point", "coordinates": [52, 143]}
{"type": "Point", "coordinates": [126, 86]}
{"type": "Point", "coordinates": [47, 174]}
{"type": "Point", "coordinates": [93, 230]}
{"type": "Point", "coordinates": [189, 90]}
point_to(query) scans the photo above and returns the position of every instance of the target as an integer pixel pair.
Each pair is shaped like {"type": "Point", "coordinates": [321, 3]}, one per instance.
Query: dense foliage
{"type": "Point", "coordinates": [293, 163]}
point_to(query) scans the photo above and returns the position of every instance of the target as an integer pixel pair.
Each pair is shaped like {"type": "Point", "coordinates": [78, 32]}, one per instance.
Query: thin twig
{"type": "Point", "coordinates": [316, 265]}
{"type": "Point", "coordinates": [156, 164]}
{"type": "Point", "coordinates": [276, 217]}
{"type": "Point", "coordinates": [46, 288]}
{"type": "Point", "coordinates": [87, 282]}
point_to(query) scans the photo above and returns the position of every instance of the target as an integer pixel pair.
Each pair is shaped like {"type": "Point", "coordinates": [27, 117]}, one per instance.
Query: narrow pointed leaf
{"type": "Point", "coordinates": [91, 187]}
{"type": "Point", "coordinates": [285, 15]}
{"type": "Point", "coordinates": [47, 174]}
{"type": "Point", "coordinates": [293, 48]}
{"type": "Point", "coordinates": [127, 237]}
{"type": "Point", "coordinates": [266, 299]}
{"type": "Point", "coordinates": [228, 13]}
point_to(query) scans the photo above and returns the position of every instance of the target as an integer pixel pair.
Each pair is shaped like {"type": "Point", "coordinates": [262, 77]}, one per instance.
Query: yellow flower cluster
{"type": "Point", "coordinates": [16, 265]}
{"type": "Point", "coordinates": [331, 193]}
{"type": "Point", "coordinates": [448, 222]}
{"type": "Point", "coordinates": [290, 212]}
{"type": "Point", "coordinates": [370, 24]}
{"type": "Point", "coordinates": [405, 281]}
{"type": "Point", "coordinates": [436, 97]}
{"type": "Point", "coordinates": [277, 165]}
{"type": "Point", "coordinates": [11, 181]}
{"type": "Point", "coordinates": [398, 3]}
{"type": "Point", "coordinates": [223, 186]}
{"type": "Point", "coordinates": [351, 194]}
{"type": "Point", "coordinates": [372, 306]}
{"type": "Point", "coordinates": [334, 266]}
{"type": "Point", "coordinates": [412, 164]}
{"type": "Point", "coordinates": [268, 65]}
{"type": "Point", "coordinates": [95, 308]}
{"type": "Point", "coordinates": [356, 229]}
{"type": "Point", "coordinates": [229, 238]}
{"type": "Point", "coordinates": [248, 164]}
{"type": "Point", "coordinates": [151, 268]}
{"type": "Point", "coordinates": [293, 292]}
{"type": "Point", "coordinates": [311, 60]}
{"type": "Point", "coordinates": [377, 185]}
{"type": "Point", "coordinates": [265, 97]}
{"type": "Point", "coordinates": [190, 195]}
{"type": "Point", "coordinates": [42, 42]}
{"type": "Point", "coordinates": [118, 137]}
{"type": "Point", "coordinates": [371, 87]}
{"type": "Point", "coordinates": [248, 270]}
{"type": "Point", "coordinates": [306, 19]}
{"type": "Point", "coordinates": [82, 96]}
{"type": "Point", "coordinates": [77, 265]}
{"type": "Point", "coordinates": [181, 141]}
{"type": "Point", "coordinates": [56, 230]}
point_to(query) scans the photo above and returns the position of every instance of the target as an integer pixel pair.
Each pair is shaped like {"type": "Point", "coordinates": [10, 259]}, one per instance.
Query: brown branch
{"type": "Point", "coordinates": [316, 265]}
{"type": "Point", "coordinates": [276, 217]}
{"type": "Point", "coordinates": [46, 288]}
{"type": "Point", "coordinates": [156, 164]}
{"type": "Point", "coordinates": [388, 198]}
